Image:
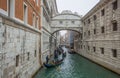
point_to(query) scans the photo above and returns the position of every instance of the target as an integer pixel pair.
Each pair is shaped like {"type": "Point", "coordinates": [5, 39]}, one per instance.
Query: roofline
{"type": "Point", "coordinates": [95, 8]}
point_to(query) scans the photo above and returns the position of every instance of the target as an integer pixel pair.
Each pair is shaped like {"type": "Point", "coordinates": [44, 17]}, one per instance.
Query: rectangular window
{"type": "Point", "coordinates": [102, 29]}
{"type": "Point", "coordinates": [114, 51]}
{"type": "Point", "coordinates": [17, 60]}
{"type": "Point", "coordinates": [114, 26]}
{"type": "Point", "coordinates": [115, 5]}
{"type": "Point", "coordinates": [88, 21]}
{"type": "Point", "coordinates": [102, 12]}
{"type": "Point", "coordinates": [25, 14]}
{"type": "Point", "coordinates": [73, 22]}
{"type": "Point", "coordinates": [94, 49]}
{"type": "Point", "coordinates": [94, 31]}
{"type": "Point", "coordinates": [33, 20]}
{"type": "Point", "coordinates": [37, 23]}
{"type": "Point", "coordinates": [89, 33]}
{"type": "Point", "coordinates": [35, 54]}
{"type": "Point", "coordinates": [36, 2]}
{"type": "Point", "coordinates": [95, 17]}
{"type": "Point", "coordinates": [28, 54]}
{"type": "Point", "coordinates": [60, 22]}
{"type": "Point", "coordinates": [88, 48]}
{"type": "Point", "coordinates": [11, 8]}
{"type": "Point", "coordinates": [102, 50]}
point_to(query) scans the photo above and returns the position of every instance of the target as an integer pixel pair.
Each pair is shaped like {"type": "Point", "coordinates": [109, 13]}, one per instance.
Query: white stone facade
{"type": "Point", "coordinates": [101, 34]}
{"type": "Point", "coordinates": [48, 9]}
{"type": "Point", "coordinates": [19, 50]}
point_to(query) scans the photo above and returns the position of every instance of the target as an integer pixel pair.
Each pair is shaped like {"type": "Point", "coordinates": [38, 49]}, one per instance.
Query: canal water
{"type": "Point", "coordinates": [75, 66]}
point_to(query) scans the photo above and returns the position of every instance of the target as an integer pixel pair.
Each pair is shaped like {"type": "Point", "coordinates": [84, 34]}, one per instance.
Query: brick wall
{"type": "Point", "coordinates": [32, 7]}
{"type": "Point", "coordinates": [19, 9]}
{"type": "Point", "coordinates": [3, 4]}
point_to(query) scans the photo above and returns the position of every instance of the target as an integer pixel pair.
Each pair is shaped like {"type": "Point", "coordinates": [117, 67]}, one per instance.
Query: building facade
{"type": "Point", "coordinates": [101, 34]}
{"type": "Point", "coordinates": [48, 10]}
{"type": "Point", "coordinates": [20, 38]}
{"type": "Point", "coordinates": [77, 42]}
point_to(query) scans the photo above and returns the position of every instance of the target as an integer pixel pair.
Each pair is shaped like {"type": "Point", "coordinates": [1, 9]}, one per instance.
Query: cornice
{"type": "Point", "coordinates": [99, 5]}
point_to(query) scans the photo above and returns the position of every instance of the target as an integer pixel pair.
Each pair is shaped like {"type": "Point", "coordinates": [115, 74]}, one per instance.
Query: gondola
{"type": "Point", "coordinates": [72, 52]}
{"type": "Point", "coordinates": [53, 65]}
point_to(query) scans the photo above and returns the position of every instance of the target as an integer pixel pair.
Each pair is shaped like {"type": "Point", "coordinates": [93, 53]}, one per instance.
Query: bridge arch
{"type": "Point", "coordinates": [66, 21]}
{"type": "Point", "coordinates": [65, 29]}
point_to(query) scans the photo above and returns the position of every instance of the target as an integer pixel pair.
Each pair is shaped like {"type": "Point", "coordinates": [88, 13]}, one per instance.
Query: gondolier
{"type": "Point", "coordinates": [55, 55]}
{"type": "Point", "coordinates": [47, 59]}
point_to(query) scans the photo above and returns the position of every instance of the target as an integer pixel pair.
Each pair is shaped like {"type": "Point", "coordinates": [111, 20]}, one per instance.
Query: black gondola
{"type": "Point", "coordinates": [53, 65]}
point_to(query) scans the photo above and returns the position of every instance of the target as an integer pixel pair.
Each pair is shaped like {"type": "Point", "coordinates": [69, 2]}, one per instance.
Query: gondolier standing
{"type": "Point", "coordinates": [47, 59]}
{"type": "Point", "coordinates": [56, 55]}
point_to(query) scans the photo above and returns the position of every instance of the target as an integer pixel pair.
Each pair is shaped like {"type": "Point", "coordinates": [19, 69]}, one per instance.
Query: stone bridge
{"type": "Point", "coordinates": [66, 21]}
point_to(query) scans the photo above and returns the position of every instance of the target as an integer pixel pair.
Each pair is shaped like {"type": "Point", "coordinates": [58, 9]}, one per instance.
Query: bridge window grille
{"type": "Point", "coordinates": [28, 56]}
{"type": "Point", "coordinates": [35, 54]}
{"type": "Point", "coordinates": [88, 33]}
{"type": "Point", "coordinates": [88, 47]}
{"type": "Point", "coordinates": [73, 22]}
{"type": "Point", "coordinates": [60, 22]}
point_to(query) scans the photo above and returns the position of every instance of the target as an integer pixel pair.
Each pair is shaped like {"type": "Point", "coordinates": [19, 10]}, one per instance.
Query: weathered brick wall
{"type": "Point", "coordinates": [19, 13]}
{"type": "Point", "coordinates": [17, 40]}
{"type": "Point", "coordinates": [32, 7]}
{"type": "Point", "coordinates": [108, 40]}
{"type": "Point", "coordinates": [3, 4]}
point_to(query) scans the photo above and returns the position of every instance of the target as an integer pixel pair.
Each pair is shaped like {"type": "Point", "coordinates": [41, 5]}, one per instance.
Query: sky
{"type": "Point", "coordinates": [80, 6]}
{"type": "Point", "coordinates": [62, 33]}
